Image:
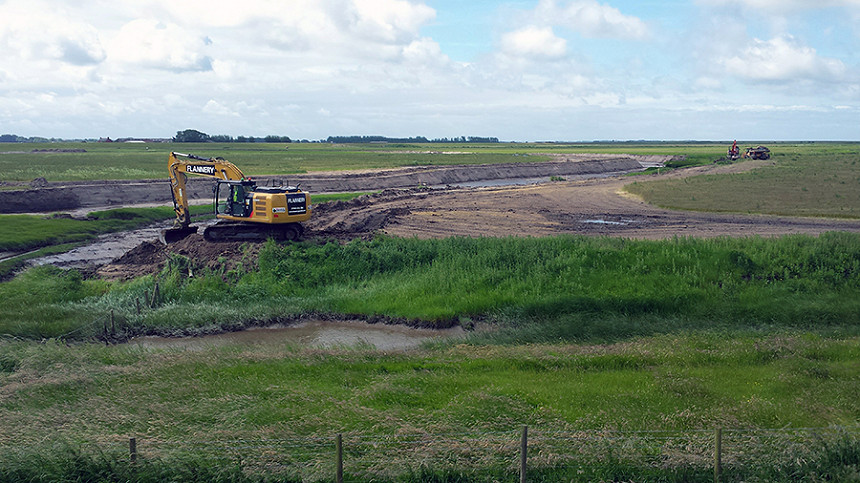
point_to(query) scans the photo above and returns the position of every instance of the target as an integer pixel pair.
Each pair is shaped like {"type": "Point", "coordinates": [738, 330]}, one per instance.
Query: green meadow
{"type": "Point", "coordinates": [149, 160]}
{"type": "Point", "coordinates": [800, 181]}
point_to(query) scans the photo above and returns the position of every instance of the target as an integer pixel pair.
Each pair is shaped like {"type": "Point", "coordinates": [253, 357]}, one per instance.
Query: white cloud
{"type": "Point", "coordinates": [591, 19]}
{"type": "Point", "coordinates": [370, 29]}
{"type": "Point", "coordinates": [311, 68]}
{"type": "Point", "coordinates": [215, 108]}
{"type": "Point", "coordinates": [151, 43]}
{"type": "Point", "coordinates": [48, 36]}
{"type": "Point", "coordinates": [424, 51]}
{"type": "Point", "coordinates": [534, 42]}
{"type": "Point", "coordinates": [708, 83]}
{"type": "Point", "coordinates": [782, 59]}
{"type": "Point", "coordinates": [389, 21]}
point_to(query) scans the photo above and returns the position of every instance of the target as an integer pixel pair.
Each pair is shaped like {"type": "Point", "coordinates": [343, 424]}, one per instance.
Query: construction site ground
{"type": "Point", "coordinates": [597, 207]}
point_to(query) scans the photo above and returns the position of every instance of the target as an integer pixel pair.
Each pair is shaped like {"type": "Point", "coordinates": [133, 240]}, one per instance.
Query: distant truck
{"type": "Point", "coordinates": [758, 152]}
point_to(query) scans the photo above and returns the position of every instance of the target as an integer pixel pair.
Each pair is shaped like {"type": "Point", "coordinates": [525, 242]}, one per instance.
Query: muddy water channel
{"type": "Point", "coordinates": [316, 333]}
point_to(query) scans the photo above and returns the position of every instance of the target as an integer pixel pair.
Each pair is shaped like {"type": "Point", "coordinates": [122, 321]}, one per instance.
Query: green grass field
{"type": "Point", "coordinates": [96, 395]}
{"type": "Point", "coordinates": [149, 161]}
{"type": "Point", "coordinates": [803, 181]}
{"type": "Point", "coordinates": [644, 287]}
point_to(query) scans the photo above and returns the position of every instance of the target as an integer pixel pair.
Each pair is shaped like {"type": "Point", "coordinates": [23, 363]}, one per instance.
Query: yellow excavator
{"type": "Point", "coordinates": [245, 211]}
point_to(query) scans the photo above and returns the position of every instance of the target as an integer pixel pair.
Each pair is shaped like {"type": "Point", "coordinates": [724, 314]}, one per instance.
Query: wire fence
{"type": "Point", "coordinates": [513, 454]}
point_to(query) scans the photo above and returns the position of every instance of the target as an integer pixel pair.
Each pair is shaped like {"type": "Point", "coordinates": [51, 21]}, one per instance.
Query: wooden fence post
{"type": "Point", "coordinates": [339, 461]}
{"type": "Point", "coordinates": [154, 296]}
{"type": "Point", "coordinates": [524, 447]}
{"type": "Point", "coordinates": [132, 450]}
{"type": "Point", "coordinates": [718, 449]}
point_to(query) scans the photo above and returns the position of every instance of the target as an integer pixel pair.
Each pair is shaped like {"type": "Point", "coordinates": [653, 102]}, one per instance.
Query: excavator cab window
{"type": "Point", "coordinates": [232, 198]}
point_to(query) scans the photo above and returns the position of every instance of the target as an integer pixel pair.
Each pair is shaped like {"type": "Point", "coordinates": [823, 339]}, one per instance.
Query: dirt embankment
{"type": "Point", "coordinates": [66, 196]}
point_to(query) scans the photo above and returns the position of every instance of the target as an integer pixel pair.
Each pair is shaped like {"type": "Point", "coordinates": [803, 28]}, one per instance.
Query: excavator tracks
{"type": "Point", "coordinates": [232, 232]}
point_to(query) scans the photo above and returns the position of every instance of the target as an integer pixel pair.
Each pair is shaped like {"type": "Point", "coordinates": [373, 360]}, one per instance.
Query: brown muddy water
{"type": "Point", "coordinates": [316, 333]}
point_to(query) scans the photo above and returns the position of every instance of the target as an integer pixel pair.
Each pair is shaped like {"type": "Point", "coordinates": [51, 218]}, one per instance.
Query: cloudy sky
{"type": "Point", "coordinates": [518, 70]}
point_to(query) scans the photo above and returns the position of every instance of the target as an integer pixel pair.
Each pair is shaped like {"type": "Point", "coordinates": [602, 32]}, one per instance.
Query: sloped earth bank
{"type": "Point", "coordinates": [589, 207]}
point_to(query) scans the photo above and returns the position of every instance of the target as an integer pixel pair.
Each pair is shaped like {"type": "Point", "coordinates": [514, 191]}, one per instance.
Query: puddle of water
{"type": "Point", "coordinates": [310, 334]}
{"type": "Point", "coordinates": [608, 222]}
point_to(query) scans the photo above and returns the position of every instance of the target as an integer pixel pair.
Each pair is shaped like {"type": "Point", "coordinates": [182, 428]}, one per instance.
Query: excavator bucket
{"type": "Point", "coordinates": [174, 235]}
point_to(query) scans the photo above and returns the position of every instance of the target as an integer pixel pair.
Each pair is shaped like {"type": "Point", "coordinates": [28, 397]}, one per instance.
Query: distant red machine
{"type": "Point", "coordinates": [734, 151]}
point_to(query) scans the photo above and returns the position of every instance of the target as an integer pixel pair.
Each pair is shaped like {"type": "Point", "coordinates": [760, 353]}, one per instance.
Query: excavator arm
{"type": "Point", "coordinates": [180, 166]}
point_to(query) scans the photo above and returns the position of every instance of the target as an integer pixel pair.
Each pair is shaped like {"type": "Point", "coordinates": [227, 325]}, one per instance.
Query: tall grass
{"type": "Point", "coordinates": [831, 463]}
{"type": "Point", "coordinates": [644, 286]}
{"type": "Point", "coordinates": [795, 280]}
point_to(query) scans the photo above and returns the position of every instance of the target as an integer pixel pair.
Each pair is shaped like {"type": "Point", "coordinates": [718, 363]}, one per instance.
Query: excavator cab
{"type": "Point", "coordinates": [234, 198]}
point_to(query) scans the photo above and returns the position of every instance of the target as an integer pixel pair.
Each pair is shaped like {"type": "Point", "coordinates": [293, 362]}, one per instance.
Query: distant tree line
{"type": "Point", "coordinates": [466, 139]}
{"type": "Point", "coordinates": [416, 139]}
{"type": "Point", "coordinates": [14, 138]}
{"type": "Point", "coordinates": [195, 136]}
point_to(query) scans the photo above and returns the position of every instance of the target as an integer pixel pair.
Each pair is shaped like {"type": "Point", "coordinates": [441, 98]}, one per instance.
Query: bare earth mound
{"type": "Point", "coordinates": [151, 256]}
